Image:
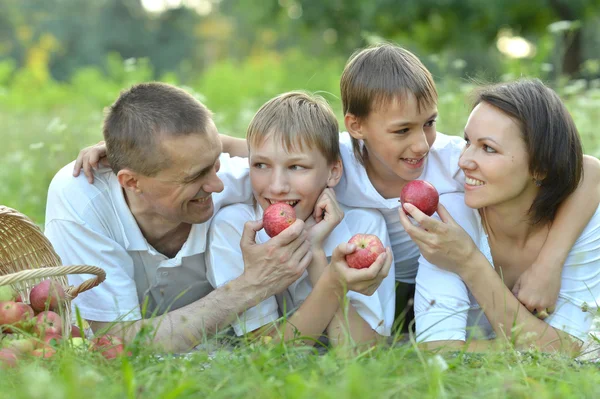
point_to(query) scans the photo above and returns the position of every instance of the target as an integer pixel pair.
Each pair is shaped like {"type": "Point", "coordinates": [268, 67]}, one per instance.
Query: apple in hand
{"type": "Point", "coordinates": [421, 194]}
{"type": "Point", "coordinates": [368, 248]}
{"type": "Point", "coordinates": [47, 323]}
{"type": "Point", "coordinates": [47, 295]}
{"type": "Point", "coordinates": [278, 217]}
{"type": "Point", "coordinates": [15, 315]}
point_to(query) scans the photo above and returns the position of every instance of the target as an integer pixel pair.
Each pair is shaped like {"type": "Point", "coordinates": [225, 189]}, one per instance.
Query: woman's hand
{"type": "Point", "coordinates": [443, 243]}
{"type": "Point", "coordinates": [91, 157]}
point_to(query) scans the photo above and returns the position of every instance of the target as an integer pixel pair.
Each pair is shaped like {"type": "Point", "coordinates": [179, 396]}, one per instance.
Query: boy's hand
{"type": "Point", "coordinates": [364, 281]}
{"type": "Point", "coordinates": [327, 215]}
{"type": "Point", "coordinates": [271, 267]}
{"type": "Point", "coordinates": [537, 290]}
{"type": "Point", "coordinates": [91, 157]}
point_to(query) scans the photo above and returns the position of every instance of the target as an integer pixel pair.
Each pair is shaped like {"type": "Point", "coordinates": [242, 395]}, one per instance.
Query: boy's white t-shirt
{"type": "Point", "coordinates": [356, 190]}
{"type": "Point", "coordinates": [445, 309]}
{"type": "Point", "coordinates": [224, 263]}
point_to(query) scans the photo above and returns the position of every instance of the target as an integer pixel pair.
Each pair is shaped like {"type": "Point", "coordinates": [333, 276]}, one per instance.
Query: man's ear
{"type": "Point", "coordinates": [128, 179]}
{"type": "Point", "coordinates": [353, 126]}
{"type": "Point", "coordinates": [335, 173]}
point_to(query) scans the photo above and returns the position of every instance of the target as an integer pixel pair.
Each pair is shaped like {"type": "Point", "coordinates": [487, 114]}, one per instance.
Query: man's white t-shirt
{"type": "Point", "coordinates": [356, 190]}
{"type": "Point", "coordinates": [445, 309]}
{"type": "Point", "coordinates": [91, 224]}
{"type": "Point", "coordinates": [225, 263]}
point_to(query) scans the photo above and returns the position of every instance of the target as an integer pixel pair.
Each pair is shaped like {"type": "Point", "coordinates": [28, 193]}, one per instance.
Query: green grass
{"type": "Point", "coordinates": [280, 371]}
{"type": "Point", "coordinates": [45, 124]}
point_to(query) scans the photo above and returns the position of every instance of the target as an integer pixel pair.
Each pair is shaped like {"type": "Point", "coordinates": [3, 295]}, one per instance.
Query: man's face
{"type": "Point", "coordinates": [182, 192]}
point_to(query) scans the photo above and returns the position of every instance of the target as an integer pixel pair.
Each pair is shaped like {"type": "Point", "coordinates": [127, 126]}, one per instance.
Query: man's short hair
{"type": "Point", "coordinates": [375, 76]}
{"type": "Point", "coordinates": [142, 117]}
{"type": "Point", "coordinates": [300, 121]}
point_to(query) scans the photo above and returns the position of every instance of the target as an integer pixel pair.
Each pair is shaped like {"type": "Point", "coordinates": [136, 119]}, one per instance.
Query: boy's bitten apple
{"type": "Point", "coordinates": [368, 248]}
{"type": "Point", "coordinates": [278, 217]}
{"type": "Point", "coordinates": [421, 194]}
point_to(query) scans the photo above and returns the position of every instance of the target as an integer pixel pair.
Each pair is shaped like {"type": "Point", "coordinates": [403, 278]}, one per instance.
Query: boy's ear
{"type": "Point", "coordinates": [128, 179]}
{"type": "Point", "coordinates": [353, 126]}
{"type": "Point", "coordinates": [335, 173]}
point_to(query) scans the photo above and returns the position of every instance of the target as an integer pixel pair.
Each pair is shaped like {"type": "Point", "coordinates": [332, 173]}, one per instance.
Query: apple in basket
{"type": "Point", "coordinates": [47, 322]}
{"type": "Point", "coordinates": [20, 344]}
{"type": "Point", "coordinates": [8, 358]}
{"type": "Point", "coordinates": [15, 316]}
{"type": "Point", "coordinates": [46, 295]}
{"type": "Point", "coordinates": [7, 293]}
{"type": "Point", "coordinates": [43, 352]}
{"type": "Point", "coordinates": [109, 346]}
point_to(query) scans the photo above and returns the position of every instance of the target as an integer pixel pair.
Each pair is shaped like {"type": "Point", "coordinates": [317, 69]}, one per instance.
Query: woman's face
{"type": "Point", "coordinates": [495, 160]}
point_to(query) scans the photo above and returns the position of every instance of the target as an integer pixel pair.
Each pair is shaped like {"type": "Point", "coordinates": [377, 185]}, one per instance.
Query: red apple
{"type": "Point", "coordinates": [278, 217]}
{"type": "Point", "coordinates": [15, 316]}
{"type": "Point", "coordinates": [75, 331]}
{"type": "Point", "coordinates": [421, 194]}
{"type": "Point", "coordinates": [46, 323]}
{"type": "Point", "coordinates": [368, 248]}
{"type": "Point", "coordinates": [43, 352]}
{"type": "Point", "coordinates": [8, 358]}
{"type": "Point", "coordinates": [20, 344]}
{"type": "Point", "coordinates": [109, 346]}
{"type": "Point", "coordinates": [47, 295]}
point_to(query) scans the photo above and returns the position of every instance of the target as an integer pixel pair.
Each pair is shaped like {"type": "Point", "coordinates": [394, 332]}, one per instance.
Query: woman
{"type": "Point", "coordinates": [523, 157]}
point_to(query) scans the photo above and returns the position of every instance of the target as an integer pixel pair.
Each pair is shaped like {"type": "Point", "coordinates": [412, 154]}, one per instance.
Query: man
{"type": "Point", "coordinates": [145, 223]}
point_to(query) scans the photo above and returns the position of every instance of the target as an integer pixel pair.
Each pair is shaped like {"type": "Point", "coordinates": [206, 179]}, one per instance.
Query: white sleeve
{"type": "Point", "coordinates": [378, 309]}
{"type": "Point", "coordinates": [580, 284]}
{"type": "Point", "coordinates": [116, 298]}
{"type": "Point", "coordinates": [236, 182]}
{"type": "Point", "coordinates": [224, 262]}
{"type": "Point", "coordinates": [442, 299]}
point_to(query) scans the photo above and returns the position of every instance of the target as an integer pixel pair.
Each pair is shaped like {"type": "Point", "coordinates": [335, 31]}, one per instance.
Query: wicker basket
{"type": "Point", "coordinates": [27, 257]}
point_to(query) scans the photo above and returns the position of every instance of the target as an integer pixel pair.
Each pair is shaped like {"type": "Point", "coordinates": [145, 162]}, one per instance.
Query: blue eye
{"type": "Point", "coordinates": [296, 167]}
{"type": "Point", "coordinates": [430, 123]}
{"type": "Point", "coordinates": [488, 149]}
{"type": "Point", "coordinates": [402, 131]}
{"type": "Point", "coordinates": [259, 165]}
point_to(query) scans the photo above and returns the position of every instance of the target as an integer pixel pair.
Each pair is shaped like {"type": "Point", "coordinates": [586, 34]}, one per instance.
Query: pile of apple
{"type": "Point", "coordinates": [36, 329]}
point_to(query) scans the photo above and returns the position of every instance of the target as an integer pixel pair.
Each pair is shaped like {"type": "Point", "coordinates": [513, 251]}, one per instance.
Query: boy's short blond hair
{"type": "Point", "coordinates": [301, 121]}
{"type": "Point", "coordinates": [375, 76]}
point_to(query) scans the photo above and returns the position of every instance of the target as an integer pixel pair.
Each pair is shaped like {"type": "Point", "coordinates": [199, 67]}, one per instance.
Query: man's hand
{"type": "Point", "coordinates": [91, 157]}
{"type": "Point", "coordinates": [271, 267]}
{"type": "Point", "coordinates": [537, 290]}
{"type": "Point", "coordinates": [327, 215]}
{"type": "Point", "coordinates": [364, 281]}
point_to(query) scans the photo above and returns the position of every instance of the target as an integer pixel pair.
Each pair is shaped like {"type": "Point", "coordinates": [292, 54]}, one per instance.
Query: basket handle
{"type": "Point", "coordinates": [59, 271]}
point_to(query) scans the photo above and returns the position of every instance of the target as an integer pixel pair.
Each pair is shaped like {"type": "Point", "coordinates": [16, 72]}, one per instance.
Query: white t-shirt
{"type": "Point", "coordinates": [225, 263]}
{"type": "Point", "coordinates": [446, 310]}
{"type": "Point", "coordinates": [356, 190]}
{"type": "Point", "coordinates": [91, 224]}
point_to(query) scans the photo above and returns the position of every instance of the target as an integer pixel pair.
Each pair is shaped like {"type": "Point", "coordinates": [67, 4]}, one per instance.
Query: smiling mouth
{"type": "Point", "coordinates": [412, 161]}
{"type": "Point", "coordinates": [473, 182]}
{"type": "Point", "coordinates": [292, 203]}
{"type": "Point", "coordinates": [201, 200]}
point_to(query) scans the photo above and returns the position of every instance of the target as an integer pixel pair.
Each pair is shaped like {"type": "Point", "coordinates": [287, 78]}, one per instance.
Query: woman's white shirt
{"type": "Point", "coordinates": [446, 310]}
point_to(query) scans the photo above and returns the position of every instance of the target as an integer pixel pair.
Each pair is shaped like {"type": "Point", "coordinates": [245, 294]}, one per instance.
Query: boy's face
{"type": "Point", "coordinates": [397, 137]}
{"type": "Point", "coordinates": [297, 177]}
{"type": "Point", "coordinates": [182, 192]}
